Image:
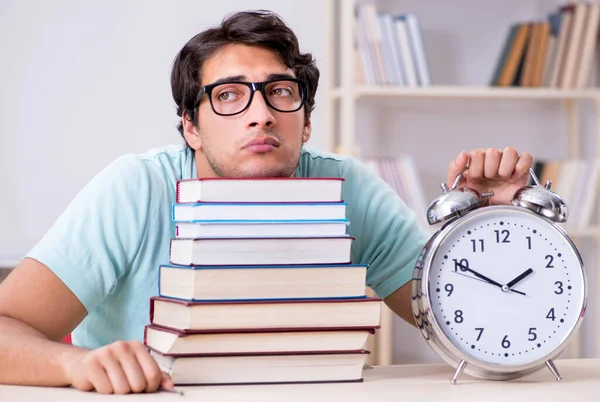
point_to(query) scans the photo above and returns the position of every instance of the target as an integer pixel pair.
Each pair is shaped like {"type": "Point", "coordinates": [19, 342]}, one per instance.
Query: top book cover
{"type": "Point", "coordinates": [276, 189]}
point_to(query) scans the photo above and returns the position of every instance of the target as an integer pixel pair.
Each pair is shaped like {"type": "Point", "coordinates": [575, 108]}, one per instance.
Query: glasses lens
{"type": "Point", "coordinates": [284, 95]}
{"type": "Point", "coordinates": [230, 98]}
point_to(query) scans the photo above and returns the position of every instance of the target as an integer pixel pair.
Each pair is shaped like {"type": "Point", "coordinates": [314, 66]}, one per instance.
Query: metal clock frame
{"type": "Point", "coordinates": [431, 330]}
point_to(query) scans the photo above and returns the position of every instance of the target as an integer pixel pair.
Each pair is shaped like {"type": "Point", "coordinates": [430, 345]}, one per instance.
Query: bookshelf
{"type": "Point", "coordinates": [343, 97]}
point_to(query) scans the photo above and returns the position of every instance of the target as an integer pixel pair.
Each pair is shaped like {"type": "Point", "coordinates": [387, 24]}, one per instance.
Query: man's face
{"type": "Point", "coordinates": [260, 141]}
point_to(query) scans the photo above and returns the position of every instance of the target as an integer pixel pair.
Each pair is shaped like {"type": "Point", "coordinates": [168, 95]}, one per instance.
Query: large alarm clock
{"type": "Point", "coordinates": [498, 290]}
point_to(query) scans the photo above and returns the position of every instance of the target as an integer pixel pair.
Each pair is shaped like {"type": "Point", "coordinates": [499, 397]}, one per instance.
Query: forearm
{"type": "Point", "coordinates": [400, 303]}
{"type": "Point", "coordinates": [27, 357]}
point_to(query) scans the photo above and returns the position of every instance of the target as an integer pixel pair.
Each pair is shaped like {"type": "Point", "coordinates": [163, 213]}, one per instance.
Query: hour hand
{"type": "Point", "coordinates": [519, 278]}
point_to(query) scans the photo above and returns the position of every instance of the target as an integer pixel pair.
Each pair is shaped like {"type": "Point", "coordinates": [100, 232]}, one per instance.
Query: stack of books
{"type": "Point", "coordinates": [261, 287]}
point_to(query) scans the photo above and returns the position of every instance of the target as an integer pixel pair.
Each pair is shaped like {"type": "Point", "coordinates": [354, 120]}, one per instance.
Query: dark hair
{"type": "Point", "coordinates": [252, 28]}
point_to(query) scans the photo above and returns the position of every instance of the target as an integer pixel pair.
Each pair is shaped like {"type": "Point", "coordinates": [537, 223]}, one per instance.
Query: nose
{"type": "Point", "coordinates": [259, 114]}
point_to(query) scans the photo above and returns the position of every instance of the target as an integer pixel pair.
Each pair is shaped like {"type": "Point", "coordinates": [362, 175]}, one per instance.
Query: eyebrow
{"type": "Point", "coordinates": [238, 78]}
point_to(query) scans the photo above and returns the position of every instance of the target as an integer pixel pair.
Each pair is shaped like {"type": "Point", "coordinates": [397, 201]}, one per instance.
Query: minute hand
{"type": "Point", "coordinates": [477, 274]}
{"type": "Point", "coordinates": [490, 281]}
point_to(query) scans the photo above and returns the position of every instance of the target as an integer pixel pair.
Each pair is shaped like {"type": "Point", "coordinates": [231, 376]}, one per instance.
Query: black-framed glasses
{"type": "Point", "coordinates": [233, 97]}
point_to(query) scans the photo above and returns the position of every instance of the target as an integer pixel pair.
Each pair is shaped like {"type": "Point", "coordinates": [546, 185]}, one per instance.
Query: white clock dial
{"type": "Point", "coordinates": [506, 288]}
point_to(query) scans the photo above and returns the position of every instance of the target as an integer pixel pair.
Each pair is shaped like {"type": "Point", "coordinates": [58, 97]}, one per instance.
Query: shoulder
{"type": "Point", "coordinates": [176, 160]}
{"type": "Point", "coordinates": [317, 163]}
{"type": "Point", "coordinates": [169, 163]}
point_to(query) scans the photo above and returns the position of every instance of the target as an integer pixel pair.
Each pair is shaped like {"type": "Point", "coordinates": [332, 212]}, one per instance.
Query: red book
{"type": "Point", "coordinates": [270, 189]}
{"type": "Point", "coordinates": [172, 342]}
{"type": "Point", "coordinates": [272, 314]}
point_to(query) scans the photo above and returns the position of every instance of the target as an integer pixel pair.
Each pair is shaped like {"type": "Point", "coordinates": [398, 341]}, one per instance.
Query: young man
{"type": "Point", "coordinates": [244, 93]}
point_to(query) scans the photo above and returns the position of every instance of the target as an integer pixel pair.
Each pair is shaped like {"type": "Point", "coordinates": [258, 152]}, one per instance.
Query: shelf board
{"type": "Point", "coordinates": [469, 92]}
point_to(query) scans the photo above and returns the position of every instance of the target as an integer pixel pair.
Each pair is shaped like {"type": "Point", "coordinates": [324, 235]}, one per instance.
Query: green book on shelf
{"type": "Point", "coordinates": [512, 32]}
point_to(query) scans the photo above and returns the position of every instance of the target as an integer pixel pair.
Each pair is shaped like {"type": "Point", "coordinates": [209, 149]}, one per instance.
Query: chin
{"type": "Point", "coordinates": [270, 171]}
{"type": "Point", "coordinates": [256, 165]}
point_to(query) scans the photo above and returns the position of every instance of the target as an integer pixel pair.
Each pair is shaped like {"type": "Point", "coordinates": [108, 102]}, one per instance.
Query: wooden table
{"type": "Point", "coordinates": [391, 383]}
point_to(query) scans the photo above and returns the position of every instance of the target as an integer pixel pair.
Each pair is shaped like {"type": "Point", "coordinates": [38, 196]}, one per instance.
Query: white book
{"type": "Point", "coordinates": [208, 211]}
{"type": "Point", "coordinates": [417, 46]}
{"type": "Point", "coordinates": [261, 229]}
{"type": "Point", "coordinates": [263, 369]}
{"type": "Point", "coordinates": [408, 63]}
{"type": "Point", "coordinates": [260, 250]}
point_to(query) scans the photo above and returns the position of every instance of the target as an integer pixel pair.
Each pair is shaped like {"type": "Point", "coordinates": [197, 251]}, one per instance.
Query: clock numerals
{"type": "Point", "coordinates": [449, 288]}
{"type": "Point", "coordinates": [458, 316]}
{"type": "Point", "coordinates": [462, 264]}
{"type": "Point", "coordinates": [480, 333]}
{"type": "Point", "coordinates": [532, 334]}
{"type": "Point", "coordinates": [528, 242]}
{"type": "Point", "coordinates": [551, 315]}
{"type": "Point", "coordinates": [477, 243]}
{"type": "Point", "coordinates": [505, 342]}
{"type": "Point", "coordinates": [560, 290]}
{"type": "Point", "coordinates": [550, 260]}
{"type": "Point", "coordinates": [502, 236]}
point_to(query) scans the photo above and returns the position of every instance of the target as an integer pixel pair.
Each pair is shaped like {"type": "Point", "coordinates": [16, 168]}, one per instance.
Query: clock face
{"type": "Point", "coordinates": [506, 287]}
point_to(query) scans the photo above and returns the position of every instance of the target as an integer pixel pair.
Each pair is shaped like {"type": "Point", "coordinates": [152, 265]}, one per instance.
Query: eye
{"type": "Point", "coordinates": [226, 96]}
{"type": "Point", "coordinates": [282, 91]}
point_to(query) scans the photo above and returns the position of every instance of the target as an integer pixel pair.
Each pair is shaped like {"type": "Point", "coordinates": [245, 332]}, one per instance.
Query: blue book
{"type": "Point", "coordinates": [267, 228]}
{"type": "Point", "coordinates": [253, 211]}
{"type": "Point", "coordinates": [262, 282]}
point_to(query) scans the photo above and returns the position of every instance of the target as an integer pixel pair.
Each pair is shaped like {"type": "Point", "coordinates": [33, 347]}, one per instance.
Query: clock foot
{"type": "Point", "coordinates": [459, 369]}
{"type": "Point", "coordinates": [553, 369]}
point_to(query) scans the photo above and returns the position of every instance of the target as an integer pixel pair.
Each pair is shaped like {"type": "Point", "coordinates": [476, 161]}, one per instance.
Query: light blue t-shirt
{"type": "Point", "coordinates": [109, 242]}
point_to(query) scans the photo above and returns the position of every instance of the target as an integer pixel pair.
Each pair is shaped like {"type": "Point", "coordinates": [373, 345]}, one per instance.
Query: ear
{"type": "Point", "coordinates": [307, 130]}
{"type": "Point", "coordinates": [190, 132]}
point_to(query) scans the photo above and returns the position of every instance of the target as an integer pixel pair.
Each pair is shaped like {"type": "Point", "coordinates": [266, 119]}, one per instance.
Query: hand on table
{"type": "Point", "coordinates": [120, 368]}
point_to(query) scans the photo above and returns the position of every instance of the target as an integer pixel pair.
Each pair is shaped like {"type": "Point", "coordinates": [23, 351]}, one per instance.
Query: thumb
{"type": "Point", "coordinates": [456, 167]}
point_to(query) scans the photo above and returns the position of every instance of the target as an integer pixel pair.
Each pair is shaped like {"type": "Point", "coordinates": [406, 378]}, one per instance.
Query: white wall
{"type": "Point", "coordinates": [84, 82]}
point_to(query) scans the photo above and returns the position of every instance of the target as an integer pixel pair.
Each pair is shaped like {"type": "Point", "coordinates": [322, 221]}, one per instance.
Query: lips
{"type": "Point", "coordinates": [268, 141]}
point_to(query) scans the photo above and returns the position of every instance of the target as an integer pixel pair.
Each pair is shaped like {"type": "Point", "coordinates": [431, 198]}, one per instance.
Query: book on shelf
{"type": "Point", "coordinates": [260, 250]}
{"type": "Point", "coordinates": [390, 48]}
{"type": "Point", "coordinates": [196, 283]}
{"type": "Point", "coordinates": [276, 314]}
{"type": "Point", "coordinates": [254, 340]}
{"type": "Point", "coordinates": [576, 181]}
{"type": "Point", "coordinates": [254, 211]}
{"type": "Point", "coordinates": [267, 368]}
{"type": "Point", "coordinates": [276, 189]}
{"type": "Point", "coordinates": [236, 228]}
{"type": "Point", "coordinates": [402, 176]}
{"type": "Point", "coordinates": [556, 51]}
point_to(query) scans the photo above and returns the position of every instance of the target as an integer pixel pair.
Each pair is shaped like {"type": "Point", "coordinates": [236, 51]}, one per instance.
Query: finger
{"type": "Point", "coordinates": [149, 367]}
{"type": "Point", "coordinates": [166, 381]}
{"type": "Point", "coordinates": [508, 162]}
{"type": "Point", "coordinates": [456, 167]}
{"type": "Point", "coordinates": [115, 373]}
{"type": "Point", "coordinates": [133, 370]}
{"type": "Point", "coordinates": [476, 165]}
{"type": "Point", "coordinates": [99, 378]}
{"type": "Point", "coordinates": [491, 162]}
{"type": "Point", "coordinates": [524, 164]}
